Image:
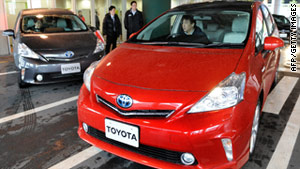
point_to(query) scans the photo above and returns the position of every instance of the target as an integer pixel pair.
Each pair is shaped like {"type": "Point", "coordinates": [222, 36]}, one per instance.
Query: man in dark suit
{"type": "Point", "coordinates": [97, 20]}
{"type": "Point", "coordinates": [133, 19]}
{"type": "Point", "coordinates": [111, 28]}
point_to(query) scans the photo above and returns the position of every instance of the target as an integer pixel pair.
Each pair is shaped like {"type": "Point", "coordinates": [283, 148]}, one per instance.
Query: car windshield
{"type": "Point", "coordinates": [52, 24]}
{"type": "Point", "coordinates": [207, 28]}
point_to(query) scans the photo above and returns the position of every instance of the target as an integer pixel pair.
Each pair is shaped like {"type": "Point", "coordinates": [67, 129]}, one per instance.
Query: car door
{"type": "Point", "coordinates": [265, 28]}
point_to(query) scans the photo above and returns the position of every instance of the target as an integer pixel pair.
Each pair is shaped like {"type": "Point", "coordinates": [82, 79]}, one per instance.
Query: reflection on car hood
{"type": "Point", "coordinates": [81, 43]}
{"type": "Point", "coordinates": [167, 68]}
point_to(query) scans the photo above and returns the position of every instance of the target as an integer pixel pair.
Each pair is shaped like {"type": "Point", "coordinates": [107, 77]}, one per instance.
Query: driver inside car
{"type": "Point", "coordinates": [190, 29]}
{"type": "Point", "coordinates": [189, 26]}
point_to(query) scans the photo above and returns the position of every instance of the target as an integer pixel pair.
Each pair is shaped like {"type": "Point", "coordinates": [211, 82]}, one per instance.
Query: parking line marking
{"type": "Point", "coordinates": [77, 158]}
{"type": "Point", "coordinates": [283, 69]}
{"type": "Point", "coordinates": [6, 73]}
{"type": "Point", "coordinates": [279, 94]}
{"type": "Point", "coordinates": [38, 109]}
{"type": "Point", "coordinates": [284, 149]}
{"type": "Point", "coordinates": [3, 61]}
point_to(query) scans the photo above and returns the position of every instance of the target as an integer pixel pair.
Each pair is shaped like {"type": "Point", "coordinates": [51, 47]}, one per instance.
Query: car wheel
{"type": "Point", "coordinates": [255, 126]}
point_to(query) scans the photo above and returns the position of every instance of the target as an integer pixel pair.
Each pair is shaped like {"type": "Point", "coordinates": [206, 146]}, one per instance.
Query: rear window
{"type": "Point", "coordinates": [52, 24]}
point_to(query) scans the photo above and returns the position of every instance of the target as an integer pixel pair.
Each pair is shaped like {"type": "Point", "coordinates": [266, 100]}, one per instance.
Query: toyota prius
{"type": "Point", "coordinates": [52, 45]}
{"type": "Point", "coordinates": [187, 90]}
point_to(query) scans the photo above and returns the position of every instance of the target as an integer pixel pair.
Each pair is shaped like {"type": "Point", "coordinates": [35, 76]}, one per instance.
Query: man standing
{"type": "Point", "coordinates": [111, 28]}
{"type": "Point", "coordinates": [81, 16]}
{"type": "Point", "coordinates": [97, 20]}
{"type": "Point", "coordinates": [133, 19]}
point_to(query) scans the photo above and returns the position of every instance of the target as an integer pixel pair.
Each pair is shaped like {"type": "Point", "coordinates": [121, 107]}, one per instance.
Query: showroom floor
{"type": "Point", "coordinates": [38, 126]}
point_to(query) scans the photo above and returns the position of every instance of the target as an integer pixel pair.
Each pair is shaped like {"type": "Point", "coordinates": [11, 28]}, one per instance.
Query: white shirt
{"type": "Point", "coordinates": [133, 12]}
{"type": "Point", "coordinates": [112, 17]}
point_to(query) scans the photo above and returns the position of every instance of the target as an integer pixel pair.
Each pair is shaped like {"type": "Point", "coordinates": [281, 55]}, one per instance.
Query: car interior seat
{"type": "Point", "coordinates": [214, 33]}
{"type": "Point", "coordinates": [30, 24]}
{"type": "Point", "coordinates": [238, 30]}
{"type": "Point", "coordinates": [61, 23]}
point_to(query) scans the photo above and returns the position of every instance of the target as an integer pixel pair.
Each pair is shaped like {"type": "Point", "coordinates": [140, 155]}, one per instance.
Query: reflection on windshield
{"type": "Point", "coordinates": [214, 28]}
{"type": "Point", "coordinates": [52, 23]}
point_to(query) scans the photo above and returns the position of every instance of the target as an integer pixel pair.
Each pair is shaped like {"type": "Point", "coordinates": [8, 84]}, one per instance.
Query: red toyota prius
{"type": "Point", "coordinates": [187, 90]}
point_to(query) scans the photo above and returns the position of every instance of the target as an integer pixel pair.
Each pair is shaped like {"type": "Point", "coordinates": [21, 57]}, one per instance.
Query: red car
{"type": "Point", "coordinates": [187, 90]}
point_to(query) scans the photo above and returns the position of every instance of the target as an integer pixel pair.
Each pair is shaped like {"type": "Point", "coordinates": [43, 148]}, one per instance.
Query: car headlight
{"type": "Point", "coordinates": [99, 46]}
{"type": "Point", "coordinates": [25, 51]}
{"type": "Point", "coordinates": [88, 74]}
{"type": "Point", "coordinates": [228, 93]}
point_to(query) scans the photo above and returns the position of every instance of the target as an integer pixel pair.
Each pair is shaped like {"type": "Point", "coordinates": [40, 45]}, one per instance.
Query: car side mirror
{"type": "Point", "coordinates": [94, 29]}
{"type": "Point", "coordinates": [271, 43]}
{"type": "Point", "coordinates": [132, 35]}
{"type": "Point", "coordinates": [9, 32]}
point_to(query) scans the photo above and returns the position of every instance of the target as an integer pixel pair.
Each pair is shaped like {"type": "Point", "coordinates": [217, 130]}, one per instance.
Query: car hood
{"type": "Point", "coordinates": [81, 43]}
{"type": "Point", "coordinates": [167, 68]}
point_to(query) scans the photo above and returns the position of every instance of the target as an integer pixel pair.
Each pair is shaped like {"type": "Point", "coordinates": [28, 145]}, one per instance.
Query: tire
{"type": "Point", "coordinates": [255, 127]}
{"type": "Point", "coordinates": [275, 81]}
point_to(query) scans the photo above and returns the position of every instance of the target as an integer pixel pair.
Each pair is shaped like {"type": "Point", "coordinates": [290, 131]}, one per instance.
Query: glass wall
{"type": "Point", "coordinates": [13, 7]}
{"type": "Point", "coordinates": [118, 5]}
{"type": "Point", "coordinates": [85, 7]}
{"type": "Point", "coordinates": [101, 6]}
{"type": "Point", "coordinates": [64, 4]}
{"type": "Point", "coordinates": [40, 3]}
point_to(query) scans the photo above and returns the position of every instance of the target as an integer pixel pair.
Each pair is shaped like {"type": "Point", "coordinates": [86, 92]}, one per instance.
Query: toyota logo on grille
{"type": "Point", "coordinates": [124, 101]}
{"type": "Point", "coordinates": [69, 54]}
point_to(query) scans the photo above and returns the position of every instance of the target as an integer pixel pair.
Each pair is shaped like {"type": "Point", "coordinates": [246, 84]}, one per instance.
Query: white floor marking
{"type": "Point", "coordinates": [77, 158]}
{"type": "Point", "coordinates": [6, 73]}
{"type": "Point", "coordinates": [283, 69]}
{"type": "Point", "coordinates": [38, 109]}
{"type": "Point", "coordinates": [285, 146]}
{"type": "Point", "coordinates": [279, 94]}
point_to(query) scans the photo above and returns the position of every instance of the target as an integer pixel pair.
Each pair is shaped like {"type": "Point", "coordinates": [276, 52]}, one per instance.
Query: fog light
{"type": "Point", "coordinates": [39, 77]}
{"type": "Point", "coordinates": [227, 145]}
{"type": "Point", "coordinates": [85, 127]}
{"type": "Point", "coordinates": [187, 158]}
{"type": "Point", "coordinates": [22, 74]}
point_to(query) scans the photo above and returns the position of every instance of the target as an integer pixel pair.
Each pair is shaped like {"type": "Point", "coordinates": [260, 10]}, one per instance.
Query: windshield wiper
{"type": "Point", "coordinates": [213, 45]}
{"type": "Point", "coordinates": [174, 43]}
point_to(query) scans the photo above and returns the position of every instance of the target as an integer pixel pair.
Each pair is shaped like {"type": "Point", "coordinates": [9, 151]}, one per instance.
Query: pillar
{"type": "Point", "coordinates": [153, 8]}
{"type": "Point", "coordinates": [53, 3]}
{"type": "Point", "coordinates": [276, 6]}
{"type": "Point", "coordinates": [93, 20]}
{"type": "Point", "coordinates": [122, 21]}
{"type": "Point", "coordinates": [3, 19]}
{"type": "Point", "coordinates": [74, 7]}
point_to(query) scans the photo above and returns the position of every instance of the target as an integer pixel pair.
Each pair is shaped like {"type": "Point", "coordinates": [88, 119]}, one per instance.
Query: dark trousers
{"type": "Point", "coordinates": [111, 40]}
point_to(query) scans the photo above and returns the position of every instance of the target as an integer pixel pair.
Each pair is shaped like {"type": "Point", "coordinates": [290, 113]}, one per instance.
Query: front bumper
{"type": "Point", "coordinates": [51, 71]}
{"type": "Point", "coordinates": [198, 134]}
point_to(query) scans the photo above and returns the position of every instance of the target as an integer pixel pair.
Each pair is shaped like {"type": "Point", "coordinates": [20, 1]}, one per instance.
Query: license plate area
{"type": "Point", "coordinates": [283, 35]}
{"type": "Point", "coordinates": [122, 132]}
{"type": "Point", "coordinates": [70, 68]}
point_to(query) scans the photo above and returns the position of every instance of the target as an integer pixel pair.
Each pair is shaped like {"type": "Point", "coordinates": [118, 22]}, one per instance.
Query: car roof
{"type": "Point", "coordinates": [242, 5]}
{"type": "Point", "coordinates": [46, 11]}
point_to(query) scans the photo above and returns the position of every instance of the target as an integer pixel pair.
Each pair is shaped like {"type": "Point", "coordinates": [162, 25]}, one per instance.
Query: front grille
{"type": "Point", "coordinates": [155, 113]}
{"type": "Point", "coordinates": [158, 153]}
{"type": "Point", "coordinates": [66, 59]}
